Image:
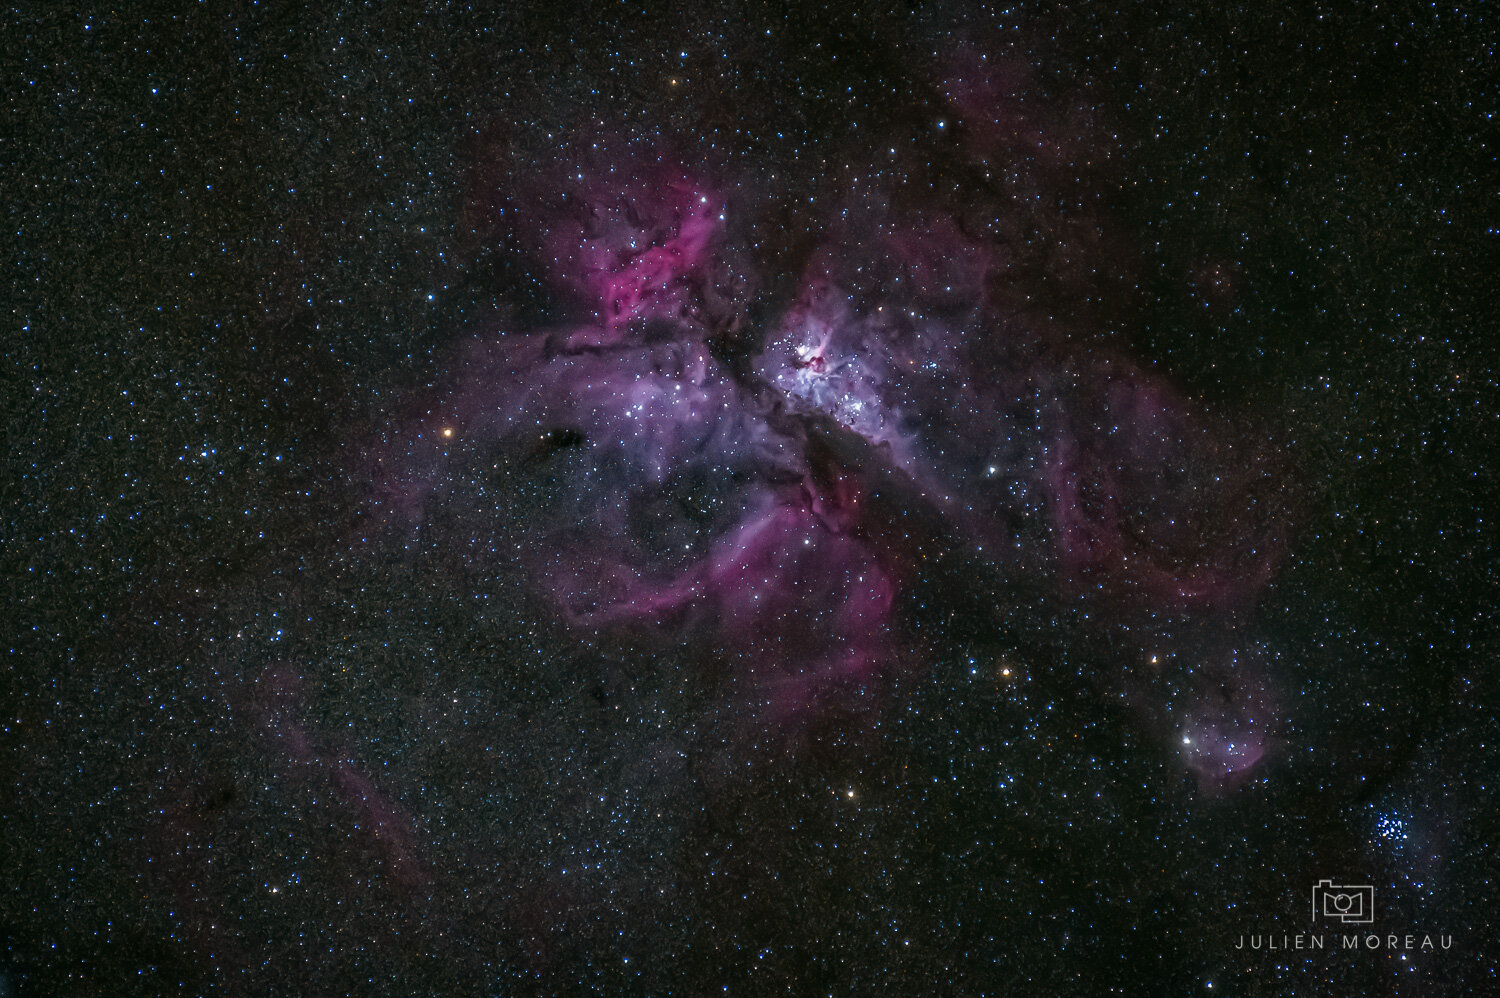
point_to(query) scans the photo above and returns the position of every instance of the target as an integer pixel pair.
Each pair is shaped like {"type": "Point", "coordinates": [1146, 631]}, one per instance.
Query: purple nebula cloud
{"type": "Point", "coordinates": [900, 335]}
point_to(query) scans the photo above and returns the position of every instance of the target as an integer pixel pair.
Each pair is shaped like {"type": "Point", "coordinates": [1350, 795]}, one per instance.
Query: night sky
{"type": "Point", "coordinates": [732, 499]}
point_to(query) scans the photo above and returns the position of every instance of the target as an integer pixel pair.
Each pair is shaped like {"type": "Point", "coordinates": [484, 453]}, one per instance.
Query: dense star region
{"type": "Point", "coordinates": [697, 499]}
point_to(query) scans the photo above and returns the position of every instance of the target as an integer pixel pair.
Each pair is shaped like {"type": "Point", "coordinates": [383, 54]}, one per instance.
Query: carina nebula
{"type": "Point", "coordinates": [748, 499]}
{"type": "Point", "coordinates": [754, 404]}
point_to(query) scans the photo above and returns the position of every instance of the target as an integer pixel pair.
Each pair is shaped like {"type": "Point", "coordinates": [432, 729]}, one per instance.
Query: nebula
{"type": "Point", "coordinates": [701, 397]}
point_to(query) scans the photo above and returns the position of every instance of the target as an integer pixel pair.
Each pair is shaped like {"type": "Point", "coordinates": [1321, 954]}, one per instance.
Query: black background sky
{"type": "Point", "coordinates": [235, 242]}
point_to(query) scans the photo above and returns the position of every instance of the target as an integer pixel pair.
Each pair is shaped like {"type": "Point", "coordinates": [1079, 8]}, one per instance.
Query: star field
{"type": "Point", "coordinates": [718, 500]}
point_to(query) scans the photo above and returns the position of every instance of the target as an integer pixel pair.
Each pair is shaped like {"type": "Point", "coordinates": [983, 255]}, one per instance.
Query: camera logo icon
{"type": "Point", "coordinates": [1352, 904]}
